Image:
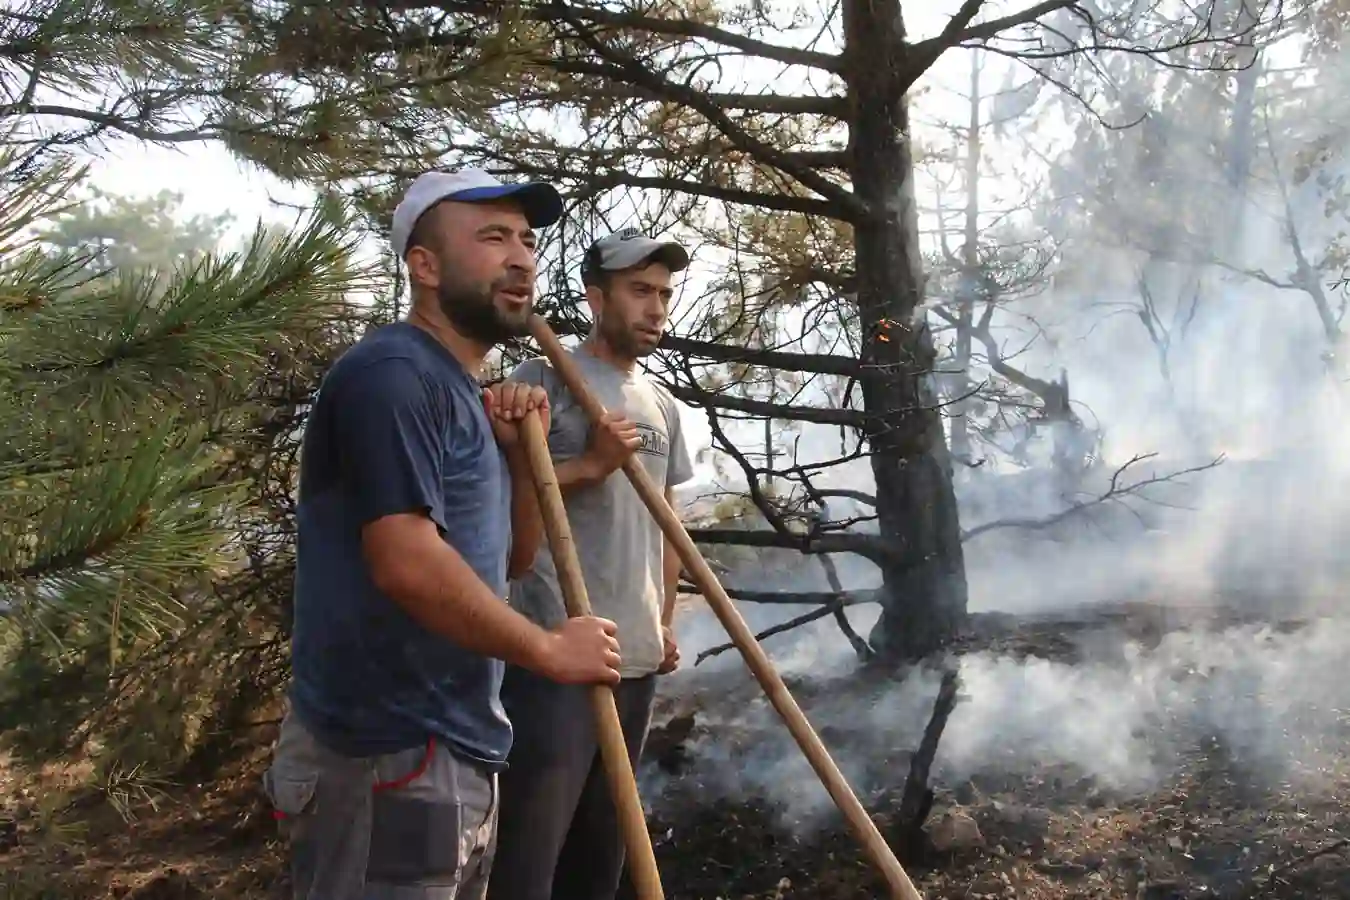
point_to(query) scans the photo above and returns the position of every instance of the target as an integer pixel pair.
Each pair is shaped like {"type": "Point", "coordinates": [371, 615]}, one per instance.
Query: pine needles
{"type": "Point", "coordinates": [127, 398]}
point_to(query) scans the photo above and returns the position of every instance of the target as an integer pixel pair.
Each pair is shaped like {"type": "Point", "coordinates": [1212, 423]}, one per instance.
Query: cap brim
{"type": "Point", "coordinates": [542, 203]}
{"type": "Point", "coordinates": [671, 255]}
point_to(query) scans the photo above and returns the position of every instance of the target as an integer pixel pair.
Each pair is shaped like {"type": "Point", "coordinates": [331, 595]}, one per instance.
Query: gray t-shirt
{"type": "Point", "coordinates": [617, 540]}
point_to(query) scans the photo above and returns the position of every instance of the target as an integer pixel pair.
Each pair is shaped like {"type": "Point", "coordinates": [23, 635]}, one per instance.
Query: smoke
{"type": "Point", "coordinates": [1237, 363]}
{"type": "Point", "coordinates": [1126, 714]}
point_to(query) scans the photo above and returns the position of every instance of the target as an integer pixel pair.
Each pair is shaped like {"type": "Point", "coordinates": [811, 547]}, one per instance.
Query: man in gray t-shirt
{"type": "Point", "coordinates": [558, 836]}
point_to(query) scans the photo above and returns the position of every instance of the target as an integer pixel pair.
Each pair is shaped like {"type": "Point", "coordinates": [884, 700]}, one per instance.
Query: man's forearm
{"type": "Point", "coordinates": [670, 566]}
{"type": "Point", "coordinates": [527, 524]}
{"type": "Point", "coordinates": [579, 472]}
{"type": "Point", "coordinates": [435, 586]}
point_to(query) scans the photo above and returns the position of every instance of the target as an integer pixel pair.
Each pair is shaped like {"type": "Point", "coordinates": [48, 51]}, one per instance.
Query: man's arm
{"type": "Point", "coordinates": [670, 565]}
{"type": "Point", "coordinates": [587, 467]}
{"type": "Point", "coordinates": [679, 469]}
{"type": "Point", "coordinates": [390, 445]}
{"type": "Point", "coordinates": [579, 472]}
{"type": "Point", "coordinates": [527, 523]}
{"type": "Point", "coordinates": [608, 447]}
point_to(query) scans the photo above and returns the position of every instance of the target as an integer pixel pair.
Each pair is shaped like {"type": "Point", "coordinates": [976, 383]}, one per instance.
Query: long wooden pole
{"type": "Point", "coordinates": [901, 888]}
{"type": "Point", "coordinates": [613, 749]}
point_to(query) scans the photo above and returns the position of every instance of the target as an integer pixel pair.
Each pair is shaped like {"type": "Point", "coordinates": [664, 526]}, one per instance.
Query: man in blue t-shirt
{"type": "Point", "coordinates": [415, 508]}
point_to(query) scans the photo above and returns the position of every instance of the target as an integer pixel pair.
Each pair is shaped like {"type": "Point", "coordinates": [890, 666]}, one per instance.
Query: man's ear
{"type": "Point", "coordinates": [594, 297]}
{"type": "Point", "coordinates": [423, 267]}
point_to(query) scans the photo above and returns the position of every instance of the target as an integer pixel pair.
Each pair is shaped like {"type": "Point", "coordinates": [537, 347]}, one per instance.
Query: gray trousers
{"type": "Point", "coordinates": [415, 825]}
{"type": "Point", "coordinates": [558, 838]}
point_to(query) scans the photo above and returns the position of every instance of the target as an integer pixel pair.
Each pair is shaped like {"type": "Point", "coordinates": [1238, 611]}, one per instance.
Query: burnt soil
{"type": "Point", "coordinates": [1213, 828]}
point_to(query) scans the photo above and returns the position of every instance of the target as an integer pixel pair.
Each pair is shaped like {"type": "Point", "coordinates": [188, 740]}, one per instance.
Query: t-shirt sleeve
{"type": "Point", "coordinates": [390, 440]}
{"type": "Point", "coordinates": [680, 468]}
{"type": "Point", "coordinates": [568, 428]}
{"type": "Point", "coordinates": [538, 372]}
{"type": "Point", "coordinates": [531, 371]}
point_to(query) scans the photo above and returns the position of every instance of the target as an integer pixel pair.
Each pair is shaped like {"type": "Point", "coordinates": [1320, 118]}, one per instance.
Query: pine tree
{"type": "Point", "coordinates": [128, 401]}
{"type": "Point", "coordinates": [779, 139]}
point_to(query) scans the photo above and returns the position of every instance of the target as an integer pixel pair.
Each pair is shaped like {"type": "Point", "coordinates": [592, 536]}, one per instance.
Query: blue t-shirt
{"type": "Point", "coordinates": [398, 426]}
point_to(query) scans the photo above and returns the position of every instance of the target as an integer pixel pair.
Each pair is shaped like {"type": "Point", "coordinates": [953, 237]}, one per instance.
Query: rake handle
{"type": "Point", "coordinates": [866, 831]}
{"type": "Point", "coordinates": [609, 731]}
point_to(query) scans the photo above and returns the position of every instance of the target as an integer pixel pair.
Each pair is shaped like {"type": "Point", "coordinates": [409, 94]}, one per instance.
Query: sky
{"type": "Point", "coordinates": [212, 180]}
{"type": "Point", "coordinates": [1258, 533]}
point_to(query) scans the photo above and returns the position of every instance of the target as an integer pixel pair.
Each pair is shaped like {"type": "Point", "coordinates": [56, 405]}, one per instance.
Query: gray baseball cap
{"type": "Point", "coordinates": [542, 203]}
{"type": "Point", "coordinates": [627, 248]}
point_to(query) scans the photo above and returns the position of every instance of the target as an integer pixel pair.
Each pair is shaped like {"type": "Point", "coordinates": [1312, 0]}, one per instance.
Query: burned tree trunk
{"type": "Point", "coordinates": [924, 596]}
{"type": "Point", "coordinates": [971, 277]}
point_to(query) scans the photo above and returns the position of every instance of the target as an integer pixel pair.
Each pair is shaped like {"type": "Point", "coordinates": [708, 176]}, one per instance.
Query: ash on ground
{"type": "Point", "coordinates": [1137, 751]}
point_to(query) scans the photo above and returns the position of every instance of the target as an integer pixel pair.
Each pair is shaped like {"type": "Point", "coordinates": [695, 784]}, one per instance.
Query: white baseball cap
{"type": "Point", "coordinates": [626, 248]}
{"type": "Point", "coordinates": [541, 202]}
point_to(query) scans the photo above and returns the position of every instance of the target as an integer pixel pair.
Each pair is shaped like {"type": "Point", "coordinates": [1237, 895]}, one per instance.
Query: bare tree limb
{"type": "Point", "coordinates": [607, 18]}
{"type": "Point", "coordinates": [1114, 493]}
{"type": "Point", "coordinates": [860, 646]}
{"type": "Point", "coordinates": [835, 606]}
{"type": "Point", "coordinates": [766, 409]}
{"type": "Point", "coordinates": [788, 598]}
{"type": "Point", "coordinates": [865, 545]}
{"type": "Point", "coordinates": [814, 363]}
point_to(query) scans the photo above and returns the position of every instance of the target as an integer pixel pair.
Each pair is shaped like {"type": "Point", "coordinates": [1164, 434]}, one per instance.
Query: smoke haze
{"type": "Point", "coordinates": [1255, 378]}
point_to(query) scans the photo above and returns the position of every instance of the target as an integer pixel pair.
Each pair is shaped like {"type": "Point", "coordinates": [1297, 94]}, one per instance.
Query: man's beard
{"type": "Point", "coordinates": [472, 311]}
{"type": "Point", "coordinates": [622, 341]}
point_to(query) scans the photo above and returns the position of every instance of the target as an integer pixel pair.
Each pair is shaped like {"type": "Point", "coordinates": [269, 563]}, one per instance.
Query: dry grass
{"type": "Point", "coordinates": [1214, 829]}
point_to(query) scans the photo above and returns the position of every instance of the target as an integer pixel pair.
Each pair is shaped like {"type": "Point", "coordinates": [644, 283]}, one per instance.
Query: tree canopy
{"type": "Point", "coordinates": [868, 322]}
{"type": "Point", "coordinates": [779, 140]}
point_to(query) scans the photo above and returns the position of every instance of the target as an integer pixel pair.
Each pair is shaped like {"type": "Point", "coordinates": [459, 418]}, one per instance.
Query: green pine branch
{"type": "Point", "coordinates": [123, 397]}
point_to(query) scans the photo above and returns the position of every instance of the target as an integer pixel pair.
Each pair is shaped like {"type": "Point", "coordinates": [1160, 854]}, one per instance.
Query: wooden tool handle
{"type": "Point", "coordinates": [613, 748]}
{"type": "Point", "coordinates": [704, 578]}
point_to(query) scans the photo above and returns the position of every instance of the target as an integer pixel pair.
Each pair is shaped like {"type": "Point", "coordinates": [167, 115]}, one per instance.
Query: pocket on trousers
{"type": "Point", "coordinates": [414, 840]}
{"type": "Point", "coordinates": [291, 792]}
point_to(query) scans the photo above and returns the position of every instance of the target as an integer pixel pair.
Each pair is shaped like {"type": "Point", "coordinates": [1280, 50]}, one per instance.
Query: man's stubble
{"type": "Point", "coordinates": [620, 338]}
{"type": "Point", "coordinates": [473, 311]}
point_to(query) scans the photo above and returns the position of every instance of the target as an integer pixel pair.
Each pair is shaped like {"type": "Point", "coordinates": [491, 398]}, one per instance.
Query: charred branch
{"type": "Point", "coordinates": [814, 363]}
{"type": "Point", "coordinates": [1117, 491]}
{"type": "Point", "coordinates": [917, 800]}
{"type": "Point", "coordinates": [834, 607]}
{"type": "Point", "coordinates": [788, 598]}
{"type": "Point", "coordinates": [865, 545]}
{"type": "Point", "coordinates": [757, 496]}
{"type": "Point", "coordinates": [1278, 873]}
{"type": "Point", "coordinates": [860, 647]}
{"type": "Point", "coordinates": [766, 409]}
{"type": "Point", "coordinates": [845, 494]}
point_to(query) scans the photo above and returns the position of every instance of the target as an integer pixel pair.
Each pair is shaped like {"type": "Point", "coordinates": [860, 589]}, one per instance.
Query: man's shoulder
{"type": "Point", "coordinates": [531, 369]}
{"type": "Point", "coordinates": [539, 371]}
{"type": "Point", "coordinates": [399, 343]}
{"type": "Point", "coordinates": [396, 357]}
{"type": "Point", "coordinates": [659, 392]}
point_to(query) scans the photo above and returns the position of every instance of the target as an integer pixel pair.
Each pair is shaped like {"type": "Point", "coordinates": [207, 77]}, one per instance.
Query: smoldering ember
{"type": "Point", "coordinates": [1010, 359]}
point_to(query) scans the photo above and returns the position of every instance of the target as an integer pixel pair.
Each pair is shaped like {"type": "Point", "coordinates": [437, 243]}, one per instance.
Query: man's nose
{"type": "Point", "coordinates": [522, 256]}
